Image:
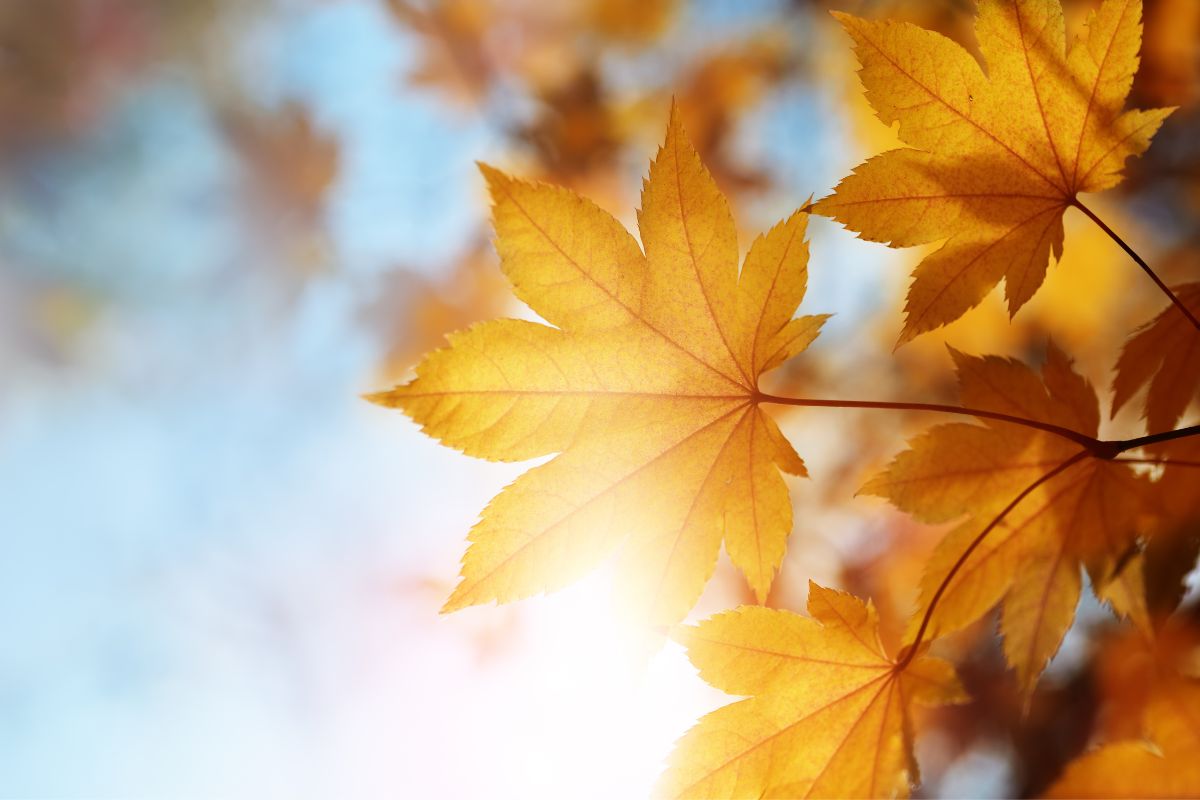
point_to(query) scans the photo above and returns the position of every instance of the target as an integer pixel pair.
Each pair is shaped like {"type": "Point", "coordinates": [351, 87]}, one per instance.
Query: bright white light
{"type": "Point", "coordinates": [572, 704]}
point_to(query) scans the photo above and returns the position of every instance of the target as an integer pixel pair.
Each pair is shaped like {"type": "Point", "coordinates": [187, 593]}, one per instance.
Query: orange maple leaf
{"type": "Point", "coordinates": [646, 389]}
{"type": "Point", "coordinates": [1158, 696]}
{"type": "Point", "coordinates": [1164, 353]}
{"type": "Point", "coordinates": [828, 713]}
{"type": "Point", "coordinates": [1086, 513]}
{"type": "Point", "coordinates": [1150, 584]}
{"type": "Point", "coordinates": [993, 160]}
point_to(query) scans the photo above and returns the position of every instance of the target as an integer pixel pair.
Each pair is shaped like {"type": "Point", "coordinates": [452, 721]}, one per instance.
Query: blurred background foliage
{"type": "Point", "coordinates": [223, 220]}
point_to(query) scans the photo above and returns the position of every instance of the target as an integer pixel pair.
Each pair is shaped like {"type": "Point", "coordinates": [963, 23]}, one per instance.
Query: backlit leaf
{"type": "Point", "coordinates": [828, 713]}
{"type": "Point", "coordinates": [1165, 355]}
{"type": "Point", "coordinates": [993, 159]}
{"type": "Point", "coordinates": [646, 388]}
{"type": "Point", "coordinates": [1086, 515]}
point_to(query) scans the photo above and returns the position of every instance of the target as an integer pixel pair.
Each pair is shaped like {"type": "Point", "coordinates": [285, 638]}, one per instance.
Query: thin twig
{"type": "Point", "coordinates": [962, 559]}
{"type": "Point", "coordinates": [1157, 438]}
{"type": "Point", "coordinates": [1092, 447]}
{"type": "Point", "coordinates": [1081, 439]}
{"type": "Point", "coordinates": [1187, 312]}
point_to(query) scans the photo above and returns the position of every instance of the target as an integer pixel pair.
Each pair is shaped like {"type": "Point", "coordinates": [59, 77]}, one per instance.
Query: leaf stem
{"type": "Point", "coordinates": [1157, 438]}
{"type": "Point", "coordinates": [1092, 444]}
{"type": "Point", "coordinates": [1099, 449]}
{"type": "Point", "coordinates": [911, 651]}
{"type": "Point", "coordinates": [1187, 312]}
{"type": "Point", "coordinates": [1092, 447]}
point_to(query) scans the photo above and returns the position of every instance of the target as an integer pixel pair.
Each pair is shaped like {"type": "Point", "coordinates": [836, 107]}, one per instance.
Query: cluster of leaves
{"type": "Point", "coordinates": [645, 383]}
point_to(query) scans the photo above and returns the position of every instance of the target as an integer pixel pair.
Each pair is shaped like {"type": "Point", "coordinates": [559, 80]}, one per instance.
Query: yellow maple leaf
{"type": "Point", "coordinates": [1164, 353]}
{"type": "Point", "coordinates": [993, 160]}
{"type": "Point", "coordinates": [646, 389]}
{"type": "Point", "coordinates": [1086, 513]}
{"type": "Point", "coordinates": [828, 713]}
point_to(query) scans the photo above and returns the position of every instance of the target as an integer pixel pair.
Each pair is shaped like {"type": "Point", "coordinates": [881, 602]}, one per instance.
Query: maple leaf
{"type": "Point", "coordinates": [1168, 765]}
{"type": "Point", "coordinates": [1030, 560]}
{"type": "Point", "coordinates": [1150, 584]}
{"type": "Point", "coordinates": [1164, 353]}
{"type": "Point", "coordinates": [993, 160]}
{"type": "Point", "coordinates": [828, 713]}
{"type": "Point", "coordinates": [646, 389]}
{"type": "Point", "coordinates": [1165, 764]}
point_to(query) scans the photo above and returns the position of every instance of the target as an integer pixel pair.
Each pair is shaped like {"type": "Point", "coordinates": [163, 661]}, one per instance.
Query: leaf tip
{"type": "Point", "coordinates": [957, 356]}
{"type": "Point", "coordinates": [494, 177]}
{"type": "Point", "coordinates": [815, 593]}
{"type": "Point", "coordinates": [819, 207]}
{"type": "Point", "coordinates": [675, 123]}
{"type": "Point", "coordinates": [456, 601]}
{"type": "Point", "coordinates": [387, 399]}
{"type": "Point", "coordinates": [907, 334]}
{"type": "Point", "coordinates": [875, 486]}
{"type": "Point", "coordinates": [762, 589]}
